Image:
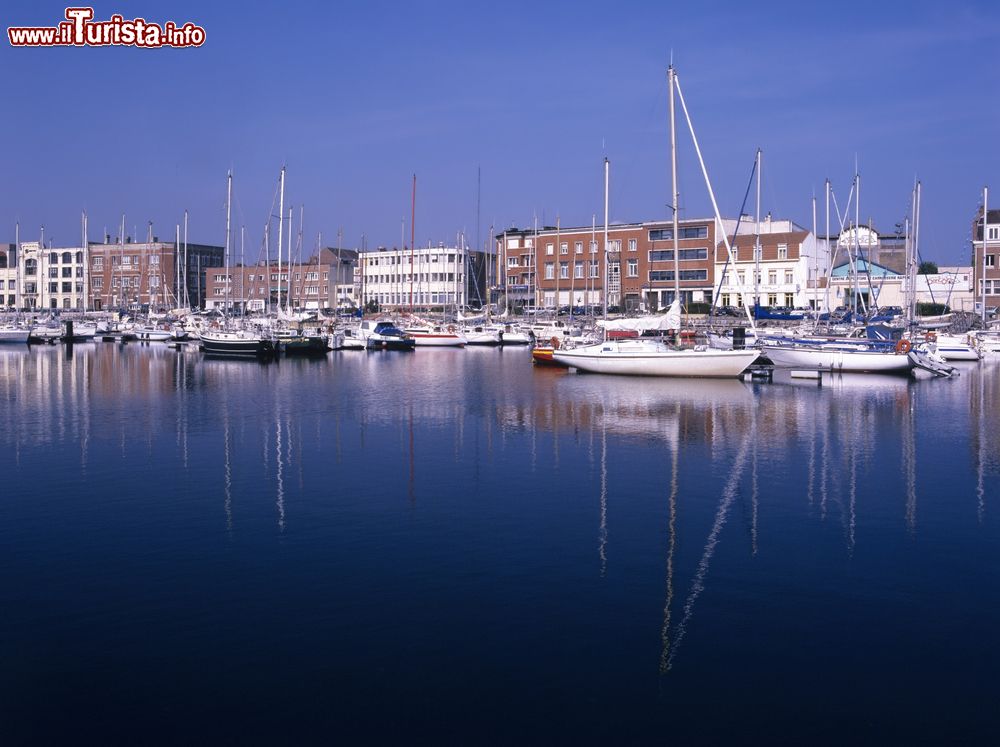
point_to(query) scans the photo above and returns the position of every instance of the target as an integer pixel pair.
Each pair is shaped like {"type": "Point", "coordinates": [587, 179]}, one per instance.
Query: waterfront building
{"type": "Point", "coordinates": [557, 267]}
{"type": "Point", "coordinates": [985, 262]}
{"type": "Point", "coordinates": [324, 281]}
{"type": "Point", "coordinates": [424, 279]}
{"type": "Point", "coordinates": [876, 284]}
{"type": "Point", "coordinates": [51, 277]}
{"type": "Point", "coordinates": [786, 266]}
{"type": "Point", "coordinates": [8, 277]}
{"type": "Point", "coordinates": [148, 275]}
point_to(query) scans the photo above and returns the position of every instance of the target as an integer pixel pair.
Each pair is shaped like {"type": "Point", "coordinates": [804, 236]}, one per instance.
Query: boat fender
{"type": "Point", "coordinates": [555, 342]}
{"type": "Point", "coordinates": [904, 346]}
{"type": "Point", "coordinates": [451, 327]}
{"type": "Point", "coordinates": [930, 337]}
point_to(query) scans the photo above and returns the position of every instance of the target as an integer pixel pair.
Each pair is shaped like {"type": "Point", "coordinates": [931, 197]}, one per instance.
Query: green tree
{"type": "Point", "coordinates": [927, 268]}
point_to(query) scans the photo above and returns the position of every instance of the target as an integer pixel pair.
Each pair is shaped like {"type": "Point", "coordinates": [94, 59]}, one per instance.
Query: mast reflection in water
{"type": "Point", "coordinates": [451, 545]}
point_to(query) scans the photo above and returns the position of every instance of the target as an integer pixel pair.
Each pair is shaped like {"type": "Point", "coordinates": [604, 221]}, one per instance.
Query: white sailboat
{"type": "Point", "coordinates": [652, 357]}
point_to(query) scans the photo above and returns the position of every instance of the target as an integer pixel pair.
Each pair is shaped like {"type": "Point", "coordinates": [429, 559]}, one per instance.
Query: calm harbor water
{"type": "Point", "coordinates": [450, 546]}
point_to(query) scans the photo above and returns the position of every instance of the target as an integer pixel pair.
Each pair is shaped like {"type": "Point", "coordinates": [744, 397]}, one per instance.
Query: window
{"type": "Point", "coordinates": [53, 272]}
{"type": "Point", "coordinates": [614, 245]}
{"type": "Point", "coordinates": [550, 271]}
{"type": "Point", "coordinates": [79, 257]}
{"type": "Point", "coordinates": [564, 247]}
{"type": "Point", "coordinates": [789, 300]}
{"type": "Point", "coordinates": [990, 258]}
{"type": "Point", "coordinates": [789, 277]}
{"type": "Point", "coordinates": [67, 272]}
{"type": "Point", "coordinates": [595, 269]}
{"type": "Point", "coordinates": [772, 277]}
{"type": "Point", "coordinates": [685, 255]}
{"type": "Point", "coordinates": [98, 264]}
{"type": "Point", "coordinates": [742, 277]}
{"type": "Point", "coordinates": [632, 268]}
{"type": "Point", "coordinates": [155, 259]}
{"type": "Point", "coordinates": [550, 249]}
{"type": "Point", "coordinates": [154, 281]}
{"type": "Point", "coordinates": [53, 258]}
{"type": "Point", "coordinates": [53, 287]}
{"type": "Point", "coordinates": [30, 267]}
{"type": "Point", "coordinates": [724, 299]}
{"type": "Point", "coordinates": [67, 287]}
{"type": "Point", "coordinates": [757, 252]}
{"type": "Point", "coordinates": [686, 232]}
{"type": "Point", "coordinates": [578, 270]}
{"type": "Point", "coordinates": [632, 245]}
{"type": "Point", "coordinates": [512, 262]}
{"type": "Point", "coordinates": [782, 251]}
{"type": "Point", "coordinates": [993, 233]}
{"type": "Point", "coordinates": [772, 299]}
{"type": "Point", "coordinates": [593, 247]}
{"type": "Point", "coordinates": [736, 254]}
{"type": "Point", "coordinates": [127, 259]}
{"type": "Point", "coordinates": [115, 260]}
{"type": "Point", "coordinates": [685, 275]}
{"type": "Point", "coordinates": [97, 283]}
{"type": "Point", "coordinates": [564, 270]}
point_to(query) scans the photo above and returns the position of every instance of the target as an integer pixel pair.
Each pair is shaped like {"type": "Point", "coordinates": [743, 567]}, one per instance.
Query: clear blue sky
{"type": "Point", "coordinates": [357, 97]}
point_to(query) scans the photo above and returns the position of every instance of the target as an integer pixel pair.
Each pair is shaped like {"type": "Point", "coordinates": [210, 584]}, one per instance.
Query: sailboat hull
{"type": "Point", "coordinates": [857, 361]}
{"type": "Point", "coordinates": [640, 358]}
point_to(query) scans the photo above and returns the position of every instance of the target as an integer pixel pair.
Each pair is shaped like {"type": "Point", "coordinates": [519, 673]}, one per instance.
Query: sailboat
{"type": "Point", "coordinates": [650, 356]}
{"type": "Point", "coordinates": [239, 343]}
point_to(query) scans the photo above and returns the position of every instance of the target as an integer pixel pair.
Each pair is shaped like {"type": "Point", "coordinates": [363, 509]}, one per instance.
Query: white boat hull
{"type": "Point", "coordinates": [857, 361]}
{"type": "Point", "coordinates": [635, 358]}
{"type": "Point", "coordinates": [14, 336]}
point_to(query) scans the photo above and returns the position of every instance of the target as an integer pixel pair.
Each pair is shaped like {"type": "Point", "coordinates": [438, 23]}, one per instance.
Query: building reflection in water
{"type": "Point", "coordinates": [835, 450]}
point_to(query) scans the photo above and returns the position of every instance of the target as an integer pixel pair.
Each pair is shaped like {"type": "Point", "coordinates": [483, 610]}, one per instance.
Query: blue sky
{"type": "Point", "coordinates": [357, 97]}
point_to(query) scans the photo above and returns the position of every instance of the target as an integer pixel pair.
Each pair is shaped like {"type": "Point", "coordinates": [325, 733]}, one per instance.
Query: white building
{"type": "Point", "coordinates": [423, 278]}
{"type": "Point", "coordinates": [789, 270]}
{"type": "Point", "coordinates": [52, 278]}
{"type": "Point", "coordinates": [8, 276]}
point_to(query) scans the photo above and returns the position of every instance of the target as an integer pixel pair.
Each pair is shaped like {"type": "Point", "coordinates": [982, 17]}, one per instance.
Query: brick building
{"type": "Point", "coordinates": [986, 243]}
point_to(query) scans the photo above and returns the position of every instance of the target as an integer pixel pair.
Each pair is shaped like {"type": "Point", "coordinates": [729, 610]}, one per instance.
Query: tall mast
{"type": "Point", "coordinates": [288, 248]}
{"type": "Point", "coordinates": [17, 256]}
{"type": "Point", "coordinates": [588, 281]}
{"type": "Point", "coordinates": [829, 254]}
{"type": "Point", "coordinates": [229, 208]}
{"type": "Point", "coordinates": [607, 168]}
{"type": "Point", "coordinates": [815, 262]}
{"type": "Point", "coordinates": [121, 264]}
{"type": "Point", "coordinates": [413, 234]}
{"type": "Point", "coordinates": [243, 266]}
{"type": "Point", "coordinates": [177, 264]}
{"type": "Point", "coordinates": [86, 260]}
{"type": "Point", "coordinates": [187, 294]}
{"type": "Point", "coordinates": [674, 197]}
{"type": "Point", "coordinates": [711, 192]}
{"type": "Point", "coordinates": [986, 220]}
{"type": "Point", "coordinates": [281, 229]}
{"type": "Point", "coordinates": [558, 263]}
{"type": "Point", "coordinates": [756, 240]}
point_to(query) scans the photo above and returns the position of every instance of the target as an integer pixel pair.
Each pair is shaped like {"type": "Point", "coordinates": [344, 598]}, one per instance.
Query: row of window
{"type": "Point", "coordinates": [772, 299]}
{"type": "Point", "coordinates": [772, 277]}
{"type": "Point", "coordinates": [687, 232]}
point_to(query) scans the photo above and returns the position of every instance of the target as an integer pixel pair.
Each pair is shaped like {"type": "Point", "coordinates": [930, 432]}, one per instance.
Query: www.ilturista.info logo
{"type": "Point", "coordinates": [80, 30]}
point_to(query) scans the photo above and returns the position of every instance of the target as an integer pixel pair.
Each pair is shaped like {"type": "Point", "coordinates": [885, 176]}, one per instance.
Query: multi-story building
{"type": "Point", "coordinates": [985, 253]}
{"type": "Point", "coordinates": [153, 274]}
{"type": "Point", "coordinates": [51, 277]}
{"type": "Point", "coordinates": [423, 278]}
{"type": "Point", "coordinates": [8, 277]}
{"type": "Point", "coordinates": [556, 267]}
{"type": "Point", "coordinates": [789, 270]}
{"type": "Point", "coordinates": [325, 281]}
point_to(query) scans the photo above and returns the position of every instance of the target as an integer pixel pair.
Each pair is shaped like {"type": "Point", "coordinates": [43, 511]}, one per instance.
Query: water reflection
{"type": "Point", "coordinates": [281, 450]}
